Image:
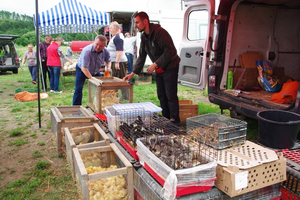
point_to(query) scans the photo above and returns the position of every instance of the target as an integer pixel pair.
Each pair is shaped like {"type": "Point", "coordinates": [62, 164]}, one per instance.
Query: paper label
{"type": "Point", "coordinates": [241, 180]}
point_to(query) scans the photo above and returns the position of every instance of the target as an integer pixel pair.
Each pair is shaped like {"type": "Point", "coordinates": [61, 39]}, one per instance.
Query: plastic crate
{"type": "Point", "coordinates": [292, 183]}
{"type": "Point", "coordinates": [286, 194]}
{"type": "Point", "coordinates": [179, 182]}
{"type": "Point", "coordinates": [128, 116]}
{"type": "Point", "coordinates": [217, 131]}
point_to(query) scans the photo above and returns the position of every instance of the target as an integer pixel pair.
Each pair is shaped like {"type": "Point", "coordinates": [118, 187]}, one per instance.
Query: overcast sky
{"type": "Point", "coordinates": [28, 6]}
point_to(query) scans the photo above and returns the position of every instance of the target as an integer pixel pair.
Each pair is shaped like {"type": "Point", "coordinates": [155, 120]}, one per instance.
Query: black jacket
{"type": "Point", "coordinates": [159, 46]}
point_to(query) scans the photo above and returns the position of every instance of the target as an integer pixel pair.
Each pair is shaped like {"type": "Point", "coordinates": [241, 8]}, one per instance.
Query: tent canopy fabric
{"type": "Point", "coordinates": [71, 16]}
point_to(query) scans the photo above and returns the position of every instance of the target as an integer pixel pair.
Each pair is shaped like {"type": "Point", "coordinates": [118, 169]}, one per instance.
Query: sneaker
{"type": "Point", "coordinates": [177, 123]}
{"type": "Point", "coordinates": [58, 92]}
{"type": "Point", "coordinates": [51, 90]}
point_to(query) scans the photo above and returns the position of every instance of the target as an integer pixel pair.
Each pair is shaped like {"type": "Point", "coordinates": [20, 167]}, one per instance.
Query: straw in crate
{"type": "Point", "coordinates": [96, 137]}
{"type": "Point", "coordinates": [103, 172]}
{"type": "Point", "coordinates": [179, 164]}
{"type": "Point", "coordinates": [217, 131]}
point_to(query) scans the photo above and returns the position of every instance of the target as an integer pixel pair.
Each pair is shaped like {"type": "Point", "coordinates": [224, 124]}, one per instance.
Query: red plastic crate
{"type": "Point", "coordinates": [288, 195]}
{"type": "Point", "coordinates": [181, 189]}
{"type": "Point", "coordinates": [126, 146]}
{"type": "Point", "coordinates": [293, 155]}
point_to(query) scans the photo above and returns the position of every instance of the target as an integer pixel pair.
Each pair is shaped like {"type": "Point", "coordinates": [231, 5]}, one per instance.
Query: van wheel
{"type": "Point", "coordinates": [15, 71]}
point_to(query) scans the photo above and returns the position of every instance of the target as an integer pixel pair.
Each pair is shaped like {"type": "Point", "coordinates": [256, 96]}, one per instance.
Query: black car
{"type": "Point", "coordinates": [9, 59]}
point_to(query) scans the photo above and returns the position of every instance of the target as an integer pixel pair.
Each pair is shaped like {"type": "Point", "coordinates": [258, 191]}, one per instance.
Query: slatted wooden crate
{"type": "Point", "coordinates": [187, 108]}
{"type": "Point", "coordinates": [97, 138]}
{"type": "Point", "coordinates": [68, 116]}
{"type": "Point", "coordinates": [91, 184]}
{"type": "Point", "coordinates": [103, 91]}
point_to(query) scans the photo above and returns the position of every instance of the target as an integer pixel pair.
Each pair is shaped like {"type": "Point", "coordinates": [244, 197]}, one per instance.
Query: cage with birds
{"type": "Point", "coordinates": [179, 164]}
{"type": "Point", "coordinates": [103, 172]}
{"type": "Point", "coordinates": [68, 116]}
{"type": "Point", "coordinates": [83, 137]}
{"type": "Point", "coordinates": [216, 130]}
{"type": "Point", "coordinates": [104, 91]}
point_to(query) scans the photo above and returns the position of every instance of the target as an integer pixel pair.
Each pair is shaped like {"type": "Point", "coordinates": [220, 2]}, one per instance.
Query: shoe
{"type": "Point", "coordinates": [34, 82]}
{"type": "Point", "coordinates": [58, 92]}
{"type": "Point", "coordinates": [177, 123]}
{"type": "Point", "coordinates": [51, 90]}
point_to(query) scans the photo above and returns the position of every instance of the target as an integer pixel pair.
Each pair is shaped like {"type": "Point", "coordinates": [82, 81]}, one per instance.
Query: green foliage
{"type": "Point", "coordinates": [36, 154]}
{"type": "Point", "coordinates": [16, 132]}
{"type": "Point", "coordinates": [18, 142]}
{"type": "Point", "coordinates": [42, 165]}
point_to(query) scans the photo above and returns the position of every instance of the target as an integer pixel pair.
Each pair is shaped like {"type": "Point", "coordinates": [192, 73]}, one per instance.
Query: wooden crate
{"type": "Point", "coordinates": [104, 91]}
{"type": "Point", "coordinates": [187, 108]}
{"type": "Point", "coordinates": [68, 116]}
{"type": "Point", "coordinates": [110, 155]}
{"type": "Point", "coordinates": [98, 138]}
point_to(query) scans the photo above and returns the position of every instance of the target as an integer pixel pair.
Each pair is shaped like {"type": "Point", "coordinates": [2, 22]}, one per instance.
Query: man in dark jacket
{"type": "Point", "coordinates": [158, 45]}
{"type": "Point", "coordinates": [43, 52]}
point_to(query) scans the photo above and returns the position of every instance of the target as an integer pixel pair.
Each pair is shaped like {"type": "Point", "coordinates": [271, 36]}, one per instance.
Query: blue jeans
{"type": "Point", "coordinates": [79, 83]}
{"type": "Point", "coordinates": [129, 63]}
{"type": "Point", "coordinates": [54, 77]}
{"type": "Point", "coordinates": [33, 72]}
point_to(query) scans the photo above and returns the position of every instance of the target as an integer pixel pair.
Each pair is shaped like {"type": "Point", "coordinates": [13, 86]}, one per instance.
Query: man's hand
{"type": "Point", "coordinates": [128, 77]}
{"type": "Point", "coordinates": [151, 68]}
{"type": "Point", "coordinates": [117, 66]}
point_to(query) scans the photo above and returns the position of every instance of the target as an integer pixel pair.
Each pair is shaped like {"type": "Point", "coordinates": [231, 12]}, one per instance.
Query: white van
{"type": "Point", "coordinates": [218, 40]}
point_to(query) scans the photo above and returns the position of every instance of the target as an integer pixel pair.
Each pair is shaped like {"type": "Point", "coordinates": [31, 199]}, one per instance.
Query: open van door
{"type": "Point", "coordinates": [195, 49]}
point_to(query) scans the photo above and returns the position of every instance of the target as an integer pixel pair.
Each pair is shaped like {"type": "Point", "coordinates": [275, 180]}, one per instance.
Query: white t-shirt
{"type": "Point", "coordinates": [129, 45]}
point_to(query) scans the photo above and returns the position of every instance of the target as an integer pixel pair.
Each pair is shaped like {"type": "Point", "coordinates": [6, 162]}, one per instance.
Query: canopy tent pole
{"type": "Point", "coordinates": [38, 61]}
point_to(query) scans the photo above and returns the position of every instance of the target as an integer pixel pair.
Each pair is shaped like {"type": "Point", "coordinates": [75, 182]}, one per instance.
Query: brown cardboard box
{"type": "Point", "coordinates": [248, 59]}
{"type": "Point", "coordinates": [247, 168]}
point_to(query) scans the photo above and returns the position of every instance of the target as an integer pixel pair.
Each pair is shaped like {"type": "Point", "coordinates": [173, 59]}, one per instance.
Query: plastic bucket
{"type": "Point", "coordinates": [278, 129]}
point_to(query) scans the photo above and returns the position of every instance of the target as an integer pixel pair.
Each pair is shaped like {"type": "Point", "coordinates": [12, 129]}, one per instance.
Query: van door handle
{"type": "Point", "coordinates": [188, 55]}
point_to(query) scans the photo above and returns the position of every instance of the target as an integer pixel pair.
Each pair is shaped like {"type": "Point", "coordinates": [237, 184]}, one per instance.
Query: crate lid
{"type": "Point", "coordinates": [147, 106]}
{"type": "Point", "coordinates": [246, 156]}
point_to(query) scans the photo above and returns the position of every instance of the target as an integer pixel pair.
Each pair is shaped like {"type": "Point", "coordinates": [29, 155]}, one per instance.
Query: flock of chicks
{"type": "Point", "coordinates": [111, 188]}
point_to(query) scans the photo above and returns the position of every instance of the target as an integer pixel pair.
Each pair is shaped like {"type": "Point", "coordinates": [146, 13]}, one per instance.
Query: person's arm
{"type": "Point", "coordinates": [60, 53]}
{"type": "Point", "coordinates": [24, 60]}
{"type": "Point", "coordinates": [86, 72]}
{"type": "Point", "coordinates": [118, 58]}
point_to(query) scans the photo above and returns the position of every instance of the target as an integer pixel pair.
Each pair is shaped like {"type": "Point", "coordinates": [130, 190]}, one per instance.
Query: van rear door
{"type": "Point", "coordinates": [194, 48]}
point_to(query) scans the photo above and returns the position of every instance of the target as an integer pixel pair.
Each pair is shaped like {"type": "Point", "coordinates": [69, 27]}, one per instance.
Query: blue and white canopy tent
{"type": "Point", "coordinates": [71, 16]}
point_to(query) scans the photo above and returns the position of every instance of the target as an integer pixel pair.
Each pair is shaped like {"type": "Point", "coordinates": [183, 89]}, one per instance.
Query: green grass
{"type": "Point", "coordinates": [16, 132]}
{"type": "Point", "coordinates": [18, 142]}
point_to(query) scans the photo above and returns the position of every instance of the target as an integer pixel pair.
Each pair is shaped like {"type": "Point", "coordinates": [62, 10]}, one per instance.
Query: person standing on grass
{"type": "Point", "coordinates": [129, 51]}
{"type": "Point", "coordinates": [54, 53]}
{"type": "Point", "coordinates": [43, 52]}
{"type": "Point", "coordinates": [157, 43]}
{"type": "Point", "coordinates": [30, 56]}
{"type": "Point", "coordinates": [89, 64]}
{"type": "Point", "coordinates": [117, 54]}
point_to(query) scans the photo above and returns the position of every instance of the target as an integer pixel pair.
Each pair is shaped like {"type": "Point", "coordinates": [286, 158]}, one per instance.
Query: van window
{"type": "Point", "coordinates": [197, 25]}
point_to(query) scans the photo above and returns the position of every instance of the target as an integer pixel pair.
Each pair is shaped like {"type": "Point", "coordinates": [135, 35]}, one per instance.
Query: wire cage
{"type": "Point", "coordinates": [217, 131]}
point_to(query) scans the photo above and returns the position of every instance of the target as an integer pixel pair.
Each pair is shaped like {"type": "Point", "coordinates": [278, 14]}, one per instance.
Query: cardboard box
{"type": "Point", "coordinates": [248, 59]}
{"type": "Point", "coordinates": [247, 168]}
{"type": "Point", "coordinates": [187, 108]}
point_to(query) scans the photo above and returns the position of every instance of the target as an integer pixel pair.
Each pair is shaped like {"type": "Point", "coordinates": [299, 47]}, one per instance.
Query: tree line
{"type": "Point", "coordinates": [22, 25]}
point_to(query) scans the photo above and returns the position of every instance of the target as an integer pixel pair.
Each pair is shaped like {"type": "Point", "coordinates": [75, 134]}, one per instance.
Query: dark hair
{"type": "Point", "coordinates": [101, 38]}
{"type": "Point", "coordinates": [142, 16]}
